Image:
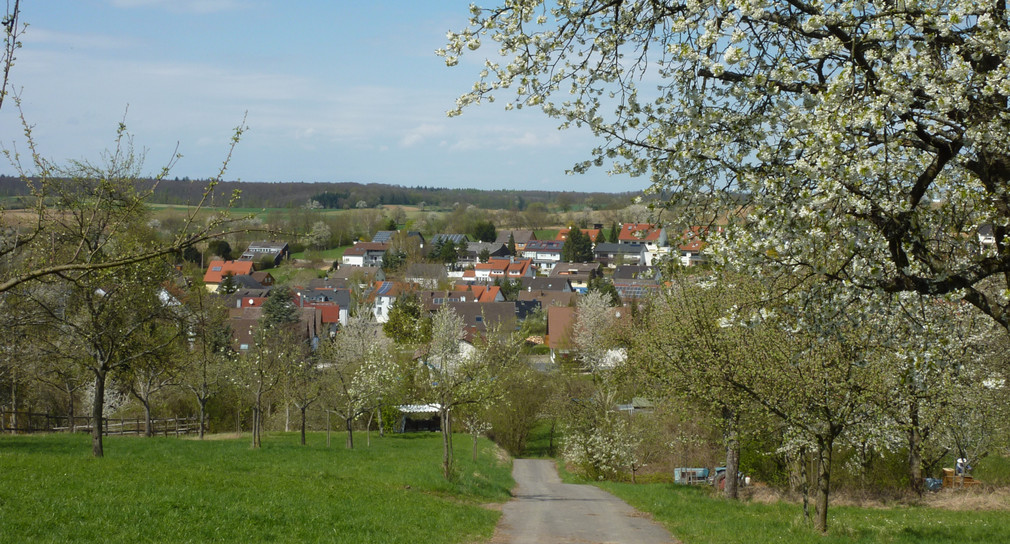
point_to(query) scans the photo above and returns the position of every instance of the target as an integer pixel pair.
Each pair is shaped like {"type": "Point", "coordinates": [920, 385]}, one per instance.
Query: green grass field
{"type": "Point", "coordinates": [172, 490]}
{"type": "Point", "coordinates": [327, 255]}
{"type": "Point", "coordinates": [697, 517]}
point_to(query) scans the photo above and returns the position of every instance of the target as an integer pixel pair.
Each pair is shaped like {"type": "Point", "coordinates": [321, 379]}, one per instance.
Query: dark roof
{"type": "Point", "coordinates": [544, 245]}
{"type": "Point", "coordinates": [246, 281]}
{"type": "Point", "coordinates": [581, 270]}
{"type": "Point", "coordinates": [383, 236]}
{"type": "Point", "coordinates": [541, 283]}
{"type": "Point", "coordinates": [261, 275]}
{"type": "Point", "coordinates": [363, 247]}
{"type": "Point", "coordinates": [636, 272]}
{"type": "Point", "coordinates": [550, 298]}
{"type": "Point", "coordinates": [272, 246]}
{"type": "Point", "coordinates": [455, 238]}
{"type": "Point", "coordinates": [611, 247]}
{"type": "Point", "coordinates": [342, 297]}
{"type": "Point", "coordinates": [521, 236]}
{"type": "Point", "coordinates": [476, 315]}
{"type": "Point", "coordinates": [495, 249]}
{"type": "Point", "coordinates": [321, 284]}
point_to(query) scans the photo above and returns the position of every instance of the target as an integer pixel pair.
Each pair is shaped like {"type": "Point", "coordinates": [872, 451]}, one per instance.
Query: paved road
{"type": "Point", "coordinates": [548, 511]}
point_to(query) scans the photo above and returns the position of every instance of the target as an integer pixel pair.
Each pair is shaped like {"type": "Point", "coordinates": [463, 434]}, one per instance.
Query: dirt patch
{"type": "Point", "coordinates": [215, 436]}
{"type": "Point", "coordinates": [501, 455]}
{"type": "Point", "coordinates": [970, 499]}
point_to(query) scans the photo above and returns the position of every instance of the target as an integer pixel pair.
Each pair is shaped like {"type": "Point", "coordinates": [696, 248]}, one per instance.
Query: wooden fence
{"type": "Point", "coordinates": [31, 422]}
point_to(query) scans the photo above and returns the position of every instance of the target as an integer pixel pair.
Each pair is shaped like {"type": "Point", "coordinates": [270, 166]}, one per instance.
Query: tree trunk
{"type": "Point", "coordinates": [14, 407]}
{"type": "Point", "coordinates": [303, 408]}
{"type": "Point", "coordinates": [732, 454]}
{"type": "Point", "coordinates": [382, 433]}
{"type": "Point", "coordinates": [148, 432]}
{"type": "Point", "coordinates": [348, 421]}
{"type": "Point", "coordinates": [203, 415]}
{"type": "Point", "coordinates": [96, 415]}
{"type": "Point", "coordinates": [256, 426]}
{"type": "Point", "coordinates": [825, 447]}
{"type": "Point", "coordinates": [804, 482]}
{"type": "Point", "coordinates": [72, 427]}
{"type": "Point", "coordinates": [446, 444]}
{"type": "Point", "coordinates": [475, 436]}
{"type": "Point", "coordinates": [914, 448]}
{"type": "Point", "coordinates": [550, 442]}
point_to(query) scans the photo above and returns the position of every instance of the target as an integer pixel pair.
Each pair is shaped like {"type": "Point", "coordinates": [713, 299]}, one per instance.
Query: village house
{"type": "Point", "coordinates": [383, 296]}
{"type": "Point", "coordinates": [578, 274]}
{"type": "Point", "coordinates": [256, 251]}
{"type": "Point", "coordinates": [641, 234]}
{"type": "Point", "coordinates": [544, 254]}
{"type": "Point", "coordinates": [636, 282]}
{"type": "Point", "coordinates": [218, 270]}
{"type": "Point", "coordinates": [611, 255]}
{"type": "Point", "coordinates": [474, 249]}
{"type": "Point", "coordinates": [593, 234]}
{"type": "Point", "coordinates": [692, 243]}
{"type": "Point", "coordinates": [521, 237]}
{"type": "Point", "coordinates": [501, 269]}
{"type": "Point", "coordinates": [364, 254]}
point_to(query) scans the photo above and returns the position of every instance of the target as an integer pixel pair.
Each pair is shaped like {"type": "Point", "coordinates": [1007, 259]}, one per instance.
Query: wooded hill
{"type": "Point", "coordinates": [352, 195]}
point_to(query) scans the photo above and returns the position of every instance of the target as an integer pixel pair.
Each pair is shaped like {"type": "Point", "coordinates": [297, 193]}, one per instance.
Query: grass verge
{"type": "Point", "coordinates": [695, 516]}
{"type": "Point", "coordinates": [170, 490]}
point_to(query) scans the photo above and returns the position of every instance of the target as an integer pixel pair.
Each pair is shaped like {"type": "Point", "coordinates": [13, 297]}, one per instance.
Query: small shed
{"type": "Point", "coordinates": [419, 418]}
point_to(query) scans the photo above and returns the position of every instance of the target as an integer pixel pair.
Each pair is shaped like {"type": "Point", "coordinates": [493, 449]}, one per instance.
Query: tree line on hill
{"type": "Point", "coordinates": [348, 195]}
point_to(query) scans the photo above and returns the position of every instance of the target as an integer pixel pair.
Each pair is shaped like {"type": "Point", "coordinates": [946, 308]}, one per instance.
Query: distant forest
{"type": "Point", "coordinates": [357, 195]}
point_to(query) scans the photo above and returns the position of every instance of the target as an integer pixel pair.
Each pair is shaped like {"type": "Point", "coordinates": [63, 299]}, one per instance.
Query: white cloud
{"type": "Point", "coordinates": [506, 139]}
{"type": "Point", "coordinates": [421, 133]}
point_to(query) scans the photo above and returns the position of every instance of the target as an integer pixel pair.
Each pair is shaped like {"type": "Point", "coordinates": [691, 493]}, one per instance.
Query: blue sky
{"type": "Point", "coordinates": [332, 90]}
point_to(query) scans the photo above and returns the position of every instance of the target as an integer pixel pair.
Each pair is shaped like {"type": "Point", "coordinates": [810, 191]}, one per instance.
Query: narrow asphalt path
{"type": "Point", "coordinates": [545, 510]}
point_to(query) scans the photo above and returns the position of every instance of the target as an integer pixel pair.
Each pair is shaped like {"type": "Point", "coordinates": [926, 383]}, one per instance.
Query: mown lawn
{"type": "Point", "coordinates": [326, 255]}
{"type": "Point", "coordinates": [173, 490]}
{"type": "Point", "coordinates": [694, 516]}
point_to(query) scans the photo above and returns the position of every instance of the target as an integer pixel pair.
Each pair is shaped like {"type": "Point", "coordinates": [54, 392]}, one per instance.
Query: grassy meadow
{"type": "Point", "coordinates": [695, 516]}
{"type": "Point", "coordinates": [183, 490]}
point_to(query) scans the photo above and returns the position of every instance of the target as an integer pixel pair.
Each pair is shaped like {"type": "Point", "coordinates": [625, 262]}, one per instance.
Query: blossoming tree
{"type": "Point", "coordinates": [862, 141]}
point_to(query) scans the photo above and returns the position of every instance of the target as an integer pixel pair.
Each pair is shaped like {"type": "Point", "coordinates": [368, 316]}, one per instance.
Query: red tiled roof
{"type": "Point", "coordinates": [219, 269]}
{"type": "Point", "coordinates": [329, 313]}
{"type": "Point", "coordinates": [693, 238]}
{"type": "Point", "coordinates": [494, 265]}
{"type": "Point", "coordinates": [519, 268]}
{"type": "Point", "coordinates": [639, 232]}
{"type": "Point", "coordinates": [481, 293]}
{"type": "Point", "coordinates": [560, 320]}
